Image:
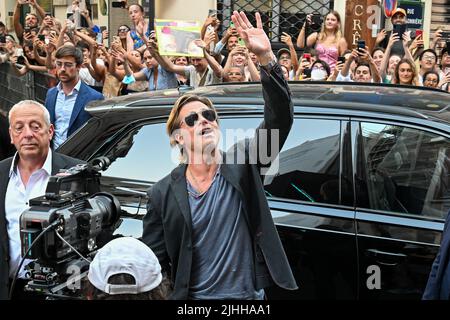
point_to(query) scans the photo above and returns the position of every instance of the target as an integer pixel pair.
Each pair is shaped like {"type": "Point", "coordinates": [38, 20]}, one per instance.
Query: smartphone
{"type": "Point", "coordinates": [212, 13]}
{"type": "Point", "coordinates": [316, 19]}
{"type": "Point", "coordinates": [26, 29]}
{"type": "Point", "coordinates": [20, 60]}
{"type": "Point", "coordinates": [41, 37]}
{"type": "Point", "coordinates": [118, 4]}
{"type": "Point", "coordinates": [2, 39]}
{"type": "Point", "coordinates": [99, 38]}
{"type": "Point", "coordinates": [102, 28]}
{"type": "Point", "coordinates": [361, 45]}
{"type": "Point", "coordinates": [341, 59]}
{"type": "Point", "coordinates": [445, 35]}
{"type": "Point", "coordinates": [307, 73]}
{"type": "Point", "coordinates": [400, 29]}
{"type": "Point", "coordinates": [241, 42]}
{"type": "Point", "coordinates": [307, 56]}
{"type": "Point", "coordinates": [419, 33]}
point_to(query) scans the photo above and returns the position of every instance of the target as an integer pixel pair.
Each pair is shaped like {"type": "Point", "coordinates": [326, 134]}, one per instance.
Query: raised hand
{"type": "Point", "coordinates": [287, 39]}
{"type": "Point", "coordinates": [255, 39]}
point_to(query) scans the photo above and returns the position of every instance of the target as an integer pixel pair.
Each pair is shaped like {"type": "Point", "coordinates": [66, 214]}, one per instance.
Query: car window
{"type": "Point", "coordinates": [144, 153]}
{"type": "Point", "coordinates": [308, 163]}
{"type": "Point", "coordinates": [405, 170]}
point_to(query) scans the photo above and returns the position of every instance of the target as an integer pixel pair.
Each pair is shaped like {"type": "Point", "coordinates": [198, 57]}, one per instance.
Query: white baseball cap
{"type": "Point", "coordinates": [125, 255]}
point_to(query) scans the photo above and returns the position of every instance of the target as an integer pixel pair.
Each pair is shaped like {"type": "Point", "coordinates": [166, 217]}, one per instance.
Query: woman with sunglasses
{"type": "Point", "coordinates": [210, 215]}
{"type": "Point", "coordinates": [122, 33]}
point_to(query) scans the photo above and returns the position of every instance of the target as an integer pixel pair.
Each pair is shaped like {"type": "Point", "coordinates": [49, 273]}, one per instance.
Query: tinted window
{"type": "Point", "coordinates": [309, 163]}
{"type": "Point", "coordinates": [144, 153]}
{"type": "Point", "coordinates": [309, 160]}
{"type": "Point", "coordinates": [404, 170]}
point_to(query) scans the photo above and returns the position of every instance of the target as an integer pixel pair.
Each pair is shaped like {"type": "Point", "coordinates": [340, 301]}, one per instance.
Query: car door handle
{"type": "Point", "coordinates": [386, 258]}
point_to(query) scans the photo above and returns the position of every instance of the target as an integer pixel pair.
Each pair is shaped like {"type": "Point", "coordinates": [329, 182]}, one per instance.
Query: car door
{"type": "Point", "coordinates": [311, 200]}
{"type": "Point", "coordinates": [402, 196]}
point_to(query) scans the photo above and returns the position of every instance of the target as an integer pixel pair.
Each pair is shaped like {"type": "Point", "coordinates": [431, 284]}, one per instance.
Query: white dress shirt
{"type": "Point", "coordinates": [63, 112]}
{"type": "Point", "coordinates": [16, 201]}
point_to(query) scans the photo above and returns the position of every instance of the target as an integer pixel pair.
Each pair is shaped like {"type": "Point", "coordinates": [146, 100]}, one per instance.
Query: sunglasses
{"type": "Point", "coordinates": [123, 30]}
{"type": "Point", "coordinates": [192, 118]}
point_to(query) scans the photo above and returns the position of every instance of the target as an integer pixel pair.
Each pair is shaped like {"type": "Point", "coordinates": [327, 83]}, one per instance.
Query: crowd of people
{"type": "Point", "coordinates": [132, 62]}
{"type": "Point", "coordinates": [82, 68]}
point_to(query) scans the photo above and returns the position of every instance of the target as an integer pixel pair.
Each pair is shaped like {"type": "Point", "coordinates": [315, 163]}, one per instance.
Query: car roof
{"type": "Point", "coordinates": [411, 101]}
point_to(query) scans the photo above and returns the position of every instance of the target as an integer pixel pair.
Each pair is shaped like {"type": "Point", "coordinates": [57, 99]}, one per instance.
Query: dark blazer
{"type": "Point", "coordinates": [59, 161]}
{"type": "Point", "coordinates": [79, 115]}
{"type": "Point", "coordinates": [435, 280]}
{"type": "Point", "coordinates": [168, 225]}
{"type": "Point", "coordinates": [6, 148]}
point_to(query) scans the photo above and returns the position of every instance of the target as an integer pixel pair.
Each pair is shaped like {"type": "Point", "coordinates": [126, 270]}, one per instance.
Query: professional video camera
{"type": "Point", "coordinates": [63, 228]}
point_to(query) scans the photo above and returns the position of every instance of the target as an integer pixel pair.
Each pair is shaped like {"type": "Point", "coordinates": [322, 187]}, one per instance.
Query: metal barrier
{"type": "Point", "coordinates": [278, 16]}
{"type": "Point", "coordinates": [33, 86]}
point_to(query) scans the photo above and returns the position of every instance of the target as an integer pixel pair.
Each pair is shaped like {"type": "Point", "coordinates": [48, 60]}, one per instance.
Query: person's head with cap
{"type": "Point", "coordinates": [398, 16]}
{"type": "Point", "coordinates": [284, 58]}
{"type": "Point", "coordinates": [126, 269]}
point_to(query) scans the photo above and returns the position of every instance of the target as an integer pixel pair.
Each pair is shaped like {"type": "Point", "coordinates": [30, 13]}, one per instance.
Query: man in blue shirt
{"type": "Point", "coordinates": [67, 100]}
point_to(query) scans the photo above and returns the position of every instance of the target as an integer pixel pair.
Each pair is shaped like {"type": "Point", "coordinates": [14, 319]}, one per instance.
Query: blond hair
{"type": "Point", "coordinates": [337, 32]}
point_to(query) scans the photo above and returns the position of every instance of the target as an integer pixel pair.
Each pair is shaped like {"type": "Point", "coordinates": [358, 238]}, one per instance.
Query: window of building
{"type": "Point", "coordinates": [278, 16]}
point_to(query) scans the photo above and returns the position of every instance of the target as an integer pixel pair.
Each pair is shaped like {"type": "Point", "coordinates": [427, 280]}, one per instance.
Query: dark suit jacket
{"type": "Point", "coordinates": [79, 115]}
{"type": "Point", "coordinates": [168, 225]}
{"type": "Point", "coordinates": [6, 148]}
{"type": "Point", "coordinates": [59, 161]}
{"type": "Point", "coordinates": [439, 267]}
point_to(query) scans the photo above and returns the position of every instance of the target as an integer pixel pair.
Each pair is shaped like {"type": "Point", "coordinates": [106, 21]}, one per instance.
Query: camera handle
{"type": "Point", "coordinates": [51, 226]}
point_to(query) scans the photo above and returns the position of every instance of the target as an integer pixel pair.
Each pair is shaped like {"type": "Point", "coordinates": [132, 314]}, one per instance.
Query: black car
{"type": "Point", "coordinates": [362, 189]}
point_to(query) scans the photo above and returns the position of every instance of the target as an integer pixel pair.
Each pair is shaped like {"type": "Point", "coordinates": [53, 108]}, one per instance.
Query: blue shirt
{"type": "Point", "coordinates": [166, 79]}
{"type": "Point", "coordinates": [63, 111]}
{"type": "Point", "coordinates": [222, 256]}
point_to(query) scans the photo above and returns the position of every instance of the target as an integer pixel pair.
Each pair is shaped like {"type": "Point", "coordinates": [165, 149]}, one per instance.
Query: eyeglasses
{"type": "Point", "coordinates": [431, 58]}
{"type": "Point", "coordinates": [192, 118]}
{"type": "Point", "coordinates": [66, 65]}
{"type": "Point", "coordinates": [123, 29]}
